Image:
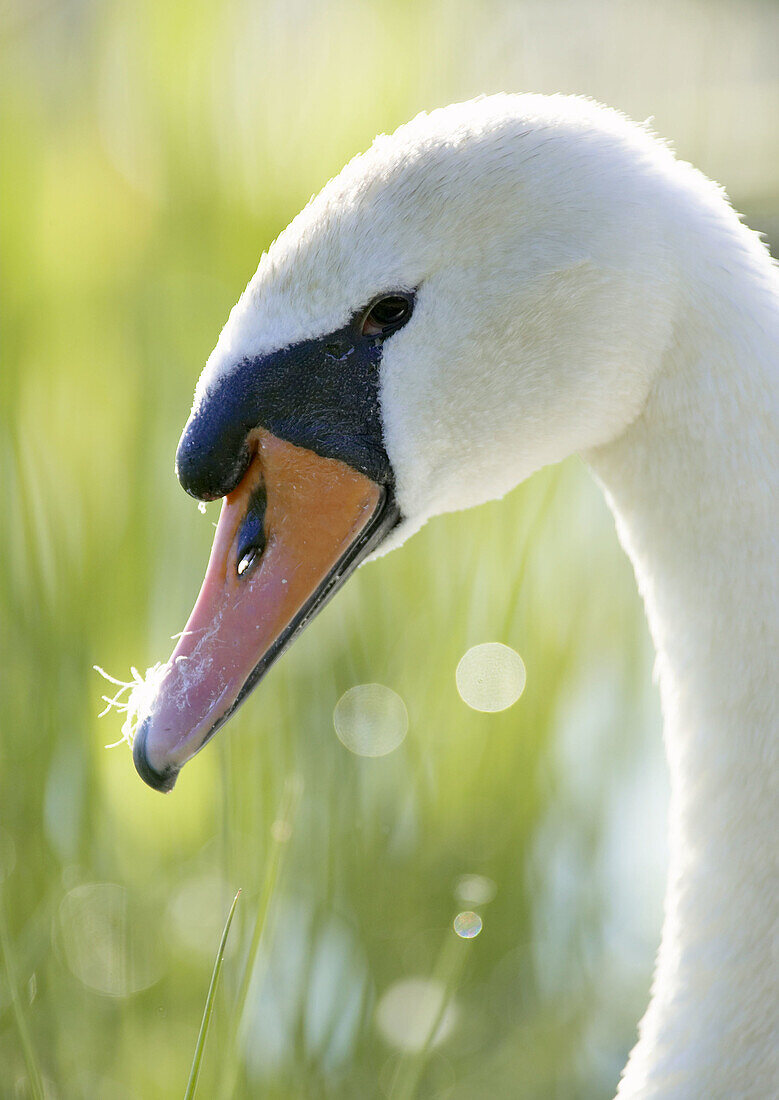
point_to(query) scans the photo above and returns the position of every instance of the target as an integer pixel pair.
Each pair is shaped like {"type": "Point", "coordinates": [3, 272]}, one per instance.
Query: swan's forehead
{"type": "Point", "coordinates": [305, 288]}
{"type": "Point", "coordinates": [348, 246]}
{"type": "Point", "coordinates": [465, 189]}
{"type": "Point", "coordinates": [416, 201]}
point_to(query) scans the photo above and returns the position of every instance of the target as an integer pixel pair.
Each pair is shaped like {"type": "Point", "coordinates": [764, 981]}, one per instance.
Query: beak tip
{"type": "Point", "coordinates": [160, 781]}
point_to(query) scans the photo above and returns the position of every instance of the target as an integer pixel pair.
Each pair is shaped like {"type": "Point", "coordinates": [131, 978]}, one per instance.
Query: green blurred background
{"type": "Point", "coordinates": [151, 151]}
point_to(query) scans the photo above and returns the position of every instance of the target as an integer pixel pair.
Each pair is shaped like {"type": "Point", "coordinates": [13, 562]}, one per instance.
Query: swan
{"type": "Point", "coordinates": [493, 287]}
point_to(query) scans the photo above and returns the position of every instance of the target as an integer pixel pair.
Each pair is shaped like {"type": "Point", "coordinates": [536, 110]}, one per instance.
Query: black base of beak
{"type": "Point", "coordinates": [160, 781]}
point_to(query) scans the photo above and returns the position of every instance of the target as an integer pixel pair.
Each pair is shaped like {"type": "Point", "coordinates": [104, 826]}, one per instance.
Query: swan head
{"type": "Point", "coordinates": [483, 292]}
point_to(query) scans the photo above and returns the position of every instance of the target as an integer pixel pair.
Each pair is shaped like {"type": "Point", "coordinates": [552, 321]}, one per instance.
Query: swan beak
{"type": "Point", "coordinates": [288, 535]}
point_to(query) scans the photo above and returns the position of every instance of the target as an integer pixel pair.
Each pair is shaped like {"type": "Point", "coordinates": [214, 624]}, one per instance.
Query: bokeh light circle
{"type": "Point", "coordinates": [411, 1009]}
{"type": "Point", "coordinates": [475, 889]}
{"type": "Point", "coordinates": [370, 719]}
{"type": "Point", "coordinates": [104, 944]}
{"type": "Point", "coordinates": [196, 914]}
{"type": "Point", "coordinates": [467, 925]}
{"type": "Point", "coordinates": [490, 677]}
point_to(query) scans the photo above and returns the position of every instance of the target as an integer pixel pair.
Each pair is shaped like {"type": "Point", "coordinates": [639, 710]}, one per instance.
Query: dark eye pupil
{"type": "Point", "coordinates": [389, 311]}
{"type": "Point", "coordinates": [387, 315]}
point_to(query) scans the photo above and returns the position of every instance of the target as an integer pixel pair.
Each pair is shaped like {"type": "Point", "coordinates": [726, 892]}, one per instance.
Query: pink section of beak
{"type": "Point", "coordinates": [316, 508]}
{"type": "Point", "coordinates": [214, 655]}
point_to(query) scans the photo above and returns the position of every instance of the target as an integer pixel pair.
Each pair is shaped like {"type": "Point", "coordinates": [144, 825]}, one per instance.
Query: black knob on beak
{"type": "Point", "coordinates": [214, 453]}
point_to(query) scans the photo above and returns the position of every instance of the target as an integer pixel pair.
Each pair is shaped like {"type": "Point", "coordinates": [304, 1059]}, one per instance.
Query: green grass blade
{"type": "Point", "coordinates": [280, 844]}
{"type": "Point", "coordinates": [33, 1069]}
{"type": "Point", "coordinates": [448, 971]}
{"type": "Point", "coordinates": [194, 1073]}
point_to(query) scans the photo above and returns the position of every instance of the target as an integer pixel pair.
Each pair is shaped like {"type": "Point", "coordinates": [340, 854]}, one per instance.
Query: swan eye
{"type": "Point", "coordinates": [387, 315]}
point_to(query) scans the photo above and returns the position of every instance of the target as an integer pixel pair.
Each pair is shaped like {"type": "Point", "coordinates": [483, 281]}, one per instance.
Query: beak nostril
{"type": "Point", "coordinates": [247, 560]}
{"type": "Point", "coordinates": [251, 537]}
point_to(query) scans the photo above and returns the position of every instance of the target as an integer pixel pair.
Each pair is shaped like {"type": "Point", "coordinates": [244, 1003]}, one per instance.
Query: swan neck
{"type": "Point", "coordinates": [693, 487]}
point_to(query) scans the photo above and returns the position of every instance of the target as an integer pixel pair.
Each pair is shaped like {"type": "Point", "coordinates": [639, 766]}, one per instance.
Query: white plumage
{"type": "Point", "coordinates": [581, 290]}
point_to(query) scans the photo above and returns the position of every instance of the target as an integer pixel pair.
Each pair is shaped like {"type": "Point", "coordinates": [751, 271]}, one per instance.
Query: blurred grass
{"type": "Point", "coordinates": [151, 151]}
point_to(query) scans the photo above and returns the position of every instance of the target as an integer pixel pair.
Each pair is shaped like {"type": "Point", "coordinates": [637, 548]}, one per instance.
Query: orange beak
{"type": "Point", "coordinates": [289, 534]}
